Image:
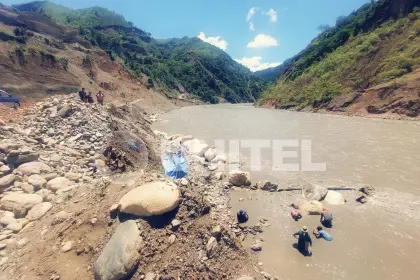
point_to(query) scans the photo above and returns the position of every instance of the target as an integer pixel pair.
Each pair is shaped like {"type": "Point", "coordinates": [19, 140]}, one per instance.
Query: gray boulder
{"type": "Point", "coordinates": [121, 254]}
{"type": "Point", "coordinates": [65, 111]}
{"type": "Point", "coordinates": [315, 192]}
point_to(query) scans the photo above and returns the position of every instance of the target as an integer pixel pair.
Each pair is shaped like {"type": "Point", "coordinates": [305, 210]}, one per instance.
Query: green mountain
{"type": "Point", "coordinates": [376, 44]}
{"type": "Point", "coordinates": [95, 16]}
{"type": "Point", "coordinates": [178, 65]}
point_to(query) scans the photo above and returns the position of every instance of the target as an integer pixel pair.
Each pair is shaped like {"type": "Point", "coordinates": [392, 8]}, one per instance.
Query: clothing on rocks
{"type": "Point", "coordinates": [242, 216]}
{"type": "Point", "coordinates": [296, 215]}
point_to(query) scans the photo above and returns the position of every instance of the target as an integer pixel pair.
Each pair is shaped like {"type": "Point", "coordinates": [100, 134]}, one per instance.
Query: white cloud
{"type": "Point", "coordinates": [272, 14]}
{"type": "Point", "coordinates": [251, 12]}
{"type": "Point", "coordinates": [215, 41]}
{"type": "Point", "coordinates": [263, 41]}
{"type": "Point", "coordinates": [254, 63]}
{"type": "Point", "coordinates": [251, 26]}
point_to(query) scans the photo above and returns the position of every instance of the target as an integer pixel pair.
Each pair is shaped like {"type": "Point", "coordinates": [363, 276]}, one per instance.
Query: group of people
{"type": "Point", "coordinates": [87, 97]}
{"type": "Point", "coordinates": [304, 238]}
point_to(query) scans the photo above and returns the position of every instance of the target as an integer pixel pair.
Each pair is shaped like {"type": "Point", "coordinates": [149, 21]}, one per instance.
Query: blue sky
{"type": "Point", "coordinates": [280, 28]}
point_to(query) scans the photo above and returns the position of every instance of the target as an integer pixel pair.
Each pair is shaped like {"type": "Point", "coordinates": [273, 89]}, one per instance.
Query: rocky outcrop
{"type": "Point", "coordinates": [150, 199]}
{"type": "Point", "coordinates": [121, 254]}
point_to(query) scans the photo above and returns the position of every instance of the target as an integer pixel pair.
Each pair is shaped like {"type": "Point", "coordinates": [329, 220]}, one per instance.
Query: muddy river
{"type": "Point", "coordinates": [377, 240]}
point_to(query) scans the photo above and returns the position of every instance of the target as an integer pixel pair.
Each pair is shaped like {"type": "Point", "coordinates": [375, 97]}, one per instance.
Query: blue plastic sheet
{"type": "Point", "coordinates": [175, 165]}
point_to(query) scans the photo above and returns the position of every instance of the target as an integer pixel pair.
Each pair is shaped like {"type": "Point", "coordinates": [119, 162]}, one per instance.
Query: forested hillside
{"type": "Point", "coordinates": [378, 43]}
{"type": "Point", "coordinates": [186, 65]}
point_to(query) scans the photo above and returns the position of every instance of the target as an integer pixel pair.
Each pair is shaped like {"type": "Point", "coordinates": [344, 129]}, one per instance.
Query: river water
{"type": "Point", "coordinates": [377, 240]}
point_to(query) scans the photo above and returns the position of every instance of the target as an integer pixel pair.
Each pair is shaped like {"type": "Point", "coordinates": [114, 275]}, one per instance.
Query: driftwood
{"type": "Point", "coordinates": [330, 189]}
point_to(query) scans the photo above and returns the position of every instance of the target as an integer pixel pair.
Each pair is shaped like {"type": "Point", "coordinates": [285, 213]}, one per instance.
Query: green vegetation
{"type": "Point", "coordinates": [90, 17]}
{"type": "Point", "coordinates": [355, 54]}
{"type": "Point", "coordinates": [173, 65]}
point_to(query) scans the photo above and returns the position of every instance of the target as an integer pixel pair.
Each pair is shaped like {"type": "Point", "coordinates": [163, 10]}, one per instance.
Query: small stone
{"type": "Point", "coordinates": [93, 221]}
{"type": "Point", "coordinates": [217, 232]}
{"type": "Point", "coordinates": [175, 224]}
{"type": "Point", "coordinates": [184, 182]}
{"type": "Point", "coordinates": [257, 246]}
{"type": "Point", "coordinates": [211, 246]}
{"type": "Point", "coordinates": [15, 227]}
{"type": "Point", "coordinates": [150, 276]}
{"type": "Point", "coordinates": [67, 246]}
{"type": "Point", "coordinates": [3, 246]}
{"type": "Point", "coordinates": [60, 217]}
{"type": "Point", "coordinates": [266, 275]}
{"type": "Point", "coordinates": [37, 181]}
{"type": "Point", "coordinates": [6, 220]}
{"type": "Point", "coordinates": [38, 211]}
{"type": "Point", "coordinates": [172, 239]}
{"type": "Point", "coordinates": [22, 242]}
{"type": "Point", "coordinates": [241, 199]}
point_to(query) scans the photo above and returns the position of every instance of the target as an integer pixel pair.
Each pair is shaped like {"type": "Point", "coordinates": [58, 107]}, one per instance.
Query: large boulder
{"type": "Point", "coordinates": [312, 207]}
{"type": "Point", "coordinates": [334, 198]}
{"type": "Point", "coordinates": [150, 199]}
{"type": "Point", "coordinates": [121, 254]}
{"type": "Point", "coordinates": [38, 211]}
{"type": "Point", "coordinates": [35, 167]}
{"type": "Point", "coordinates": [37, 181]}
{"type": "Point", "coordinates": [315, 192]}
{"type": "Point", "coordinates": [65, 111]}
{"type": "Point", "coordinates": [58, 184]}
{"type": "Point", "coordinates": [210, 154]}
{"type": "Point", "coordinates": [19, 203]}
{"type": "Point", "coordinates": [240, 178]}
{"type": "Point", "coordinates": [195, 147]}
{"type": "Point", "coordinates": [7, 181]}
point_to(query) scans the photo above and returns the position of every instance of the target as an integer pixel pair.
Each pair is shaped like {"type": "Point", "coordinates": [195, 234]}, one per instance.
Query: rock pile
{"type": "Point", "coordinates": [57, 148]}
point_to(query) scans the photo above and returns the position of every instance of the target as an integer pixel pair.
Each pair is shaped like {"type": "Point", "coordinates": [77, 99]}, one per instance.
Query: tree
{"type": "Point", "coordinates": [324, 28]}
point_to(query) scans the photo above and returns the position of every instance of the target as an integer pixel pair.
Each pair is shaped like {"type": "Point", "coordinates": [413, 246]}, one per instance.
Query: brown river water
{"type": "Point", "coordinates": [377, 240]}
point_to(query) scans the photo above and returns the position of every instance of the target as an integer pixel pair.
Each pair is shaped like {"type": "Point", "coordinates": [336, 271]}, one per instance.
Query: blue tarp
{"type": "Point", "coordinates": [175, 165]}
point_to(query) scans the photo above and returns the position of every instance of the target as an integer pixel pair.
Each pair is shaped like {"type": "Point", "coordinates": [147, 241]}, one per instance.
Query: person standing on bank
{"type": "Point", "coordinates": [304, 240]}
{"type": "Point", "coordinates": [100, 97]}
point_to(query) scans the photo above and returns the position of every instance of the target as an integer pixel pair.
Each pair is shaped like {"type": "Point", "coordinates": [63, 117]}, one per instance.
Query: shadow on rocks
{"type": "Point", "coordinates": [160, 221]}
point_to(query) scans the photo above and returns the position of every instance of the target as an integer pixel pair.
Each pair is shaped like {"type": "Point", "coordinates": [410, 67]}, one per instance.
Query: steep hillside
{"type": "Point", "coordinates": [96, 16]}
{"type": "Point", "coordinates": [187, 67]}
{"type": "Point", "coordinates": [39, 57]}
{"type": "Point", "coordinates": [376, 45]}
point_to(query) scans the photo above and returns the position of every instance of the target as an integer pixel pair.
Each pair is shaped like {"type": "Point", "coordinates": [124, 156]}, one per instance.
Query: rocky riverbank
{"type": "Point", "coordinates": [83, 196]}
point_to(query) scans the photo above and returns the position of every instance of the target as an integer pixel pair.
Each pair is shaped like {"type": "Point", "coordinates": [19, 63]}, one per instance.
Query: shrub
{"type": "Point", "coordinates": [64, 62]}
